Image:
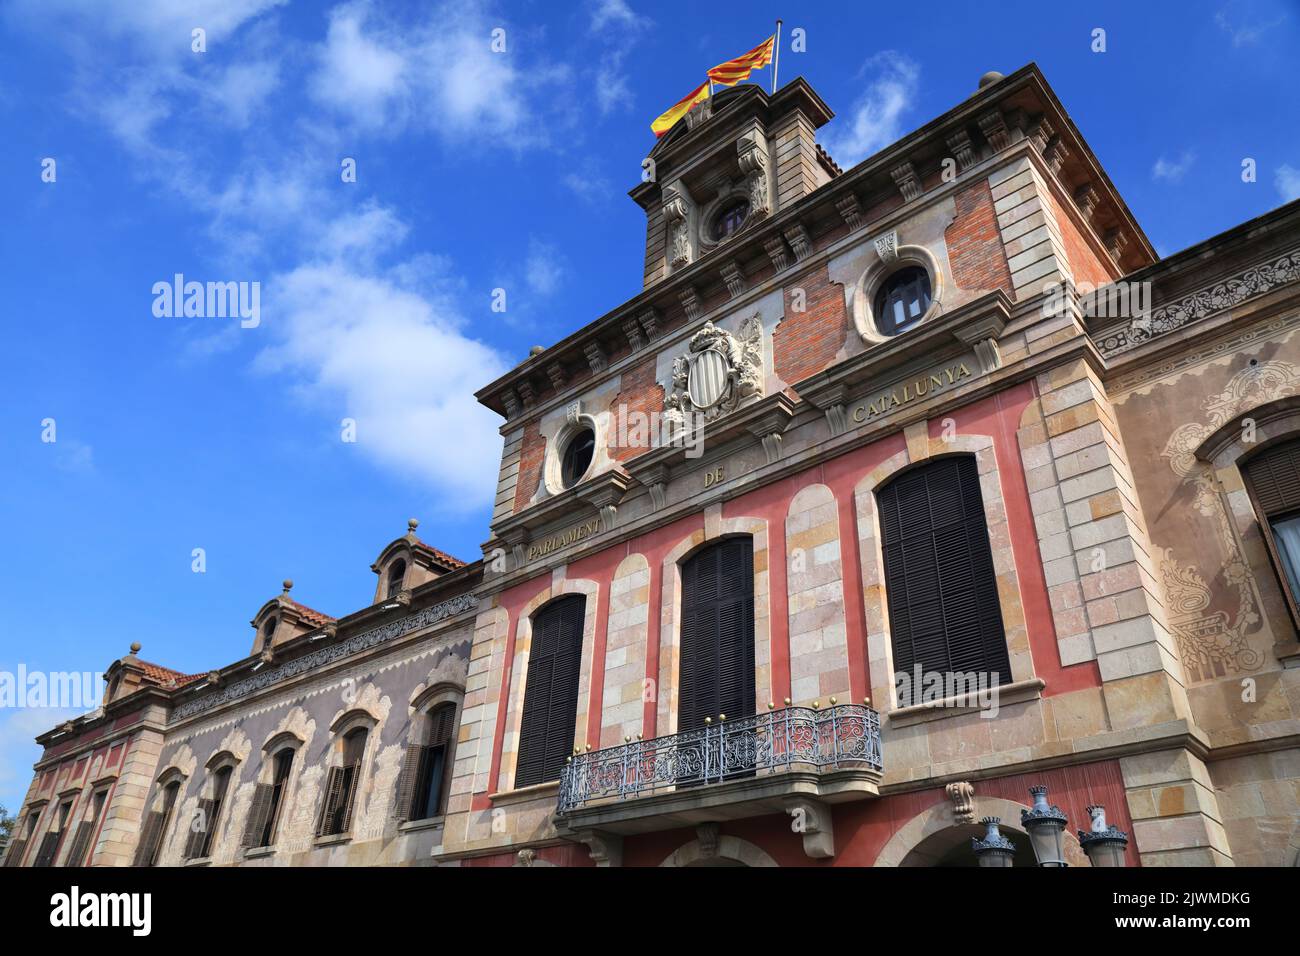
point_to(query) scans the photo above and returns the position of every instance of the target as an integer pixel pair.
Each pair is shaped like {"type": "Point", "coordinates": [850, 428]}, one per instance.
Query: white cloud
{"type": "Point", "coordinates": [874, 120]}
{"type": "Point", "coordinates": [388, 348]}
{"type": "Point", "coordinates": [543, 268]}
{"type": "Point", "coordinates": [1245, 34]}
{"type": "Point", "coordinates": [440, 75]}
{"type": "Point", "coordinates": [587, 183]}
{"type": "Point", "coordinates": [1173, 170]}
{"type": "Point", "coordinates": [616, 14]}
{"type": "Point", "coordinates": [242, 89]}
{"type": "Point", "coordinates": [621, 28]}
{"type": "Point", "coordinates": [1287, 180]}
{"type": "Point", "coordinates": [161, 26]}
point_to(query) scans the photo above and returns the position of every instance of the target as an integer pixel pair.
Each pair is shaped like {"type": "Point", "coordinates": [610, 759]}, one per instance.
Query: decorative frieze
{"type": "Point", "coordinates": [776, 251]}
{"type": "Point", "coordinates": [800, 244]}
{"type": "Point", "coordinates": [849, 207]}
{"type": "Point", "coordinates": [1255, 281]}
{"type": "Point", "coordinates": [962, 149]}
{"type": "Point", "coordinates": [908, 183]}
{"type": "Point", "coordinates": [595, 357]}
{"type": "Point", "coordinates": [363, 641]}
{"type": "Point", "coordinates": [734, 276]}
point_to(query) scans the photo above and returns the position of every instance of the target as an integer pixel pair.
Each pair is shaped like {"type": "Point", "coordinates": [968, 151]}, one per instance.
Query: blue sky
{"type": "Point", "coordinates": [476, 170]}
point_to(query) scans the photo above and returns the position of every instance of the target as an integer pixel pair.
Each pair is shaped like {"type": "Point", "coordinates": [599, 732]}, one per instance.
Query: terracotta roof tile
{"type": "Point", "coordinates": [441, 556]}
{"type": "Point", "coordinates": [311, 615]}
{"type": "Point", "coordinates": [164, 676]}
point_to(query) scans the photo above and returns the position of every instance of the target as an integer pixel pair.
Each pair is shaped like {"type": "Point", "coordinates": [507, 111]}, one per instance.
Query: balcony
{"type": "Point", "coordinates": [791, 760]}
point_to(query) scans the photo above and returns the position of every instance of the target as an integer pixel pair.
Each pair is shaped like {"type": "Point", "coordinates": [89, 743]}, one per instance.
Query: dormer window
{"type": "Point", "coordinates": [902, 300]}
{"type": "Point", "coordinates": [396, 577]}
{"type": "Point", "coordinates": [730, 219]}
{"type": "Point", "coordinates": [268, 632]}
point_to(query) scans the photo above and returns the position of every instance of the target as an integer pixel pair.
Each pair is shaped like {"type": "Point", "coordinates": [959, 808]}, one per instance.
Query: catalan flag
{"type": "Point", "coordinates": [683, 106]}
{"type": "Point", "coordinates": [734, 71]}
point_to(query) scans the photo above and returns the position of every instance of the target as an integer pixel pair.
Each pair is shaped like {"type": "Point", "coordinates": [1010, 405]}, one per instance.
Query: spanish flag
{"type": "Point", "coordinates": [692, 99]}
{"type": "Point", "coordinates": [734, 71]}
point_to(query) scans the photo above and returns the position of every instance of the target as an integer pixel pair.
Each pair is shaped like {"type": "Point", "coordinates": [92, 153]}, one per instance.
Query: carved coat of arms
{"type": "Point", "coordinates": [718, 372]}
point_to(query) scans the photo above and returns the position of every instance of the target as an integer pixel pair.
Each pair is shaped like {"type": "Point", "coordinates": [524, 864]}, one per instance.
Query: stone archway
{"type": "Point", "coordinates": [933, 837]}
{"type": "Point", "coordinates": [727, 851]}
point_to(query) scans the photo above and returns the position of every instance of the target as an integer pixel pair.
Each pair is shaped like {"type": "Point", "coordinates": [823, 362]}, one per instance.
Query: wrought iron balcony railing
{"type": "Point", "coordinates": [793, 738]}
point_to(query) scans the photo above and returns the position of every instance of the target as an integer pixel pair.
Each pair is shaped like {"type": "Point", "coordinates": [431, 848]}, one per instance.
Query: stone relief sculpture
{"type": "Point", "coordinates": [1215, 644]}
{"type": "Point", "coordinates": [718, 373]}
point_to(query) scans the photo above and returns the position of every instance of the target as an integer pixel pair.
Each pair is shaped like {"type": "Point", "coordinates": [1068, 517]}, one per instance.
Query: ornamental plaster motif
{"type": "Point", "coordinates": [372, 637]}
{"type": "Point", "coordinates": [235, 742]}
{"type": "Point", "coordinates": [741, 369]}
{"type": "Point", "coordinates": [1254, 282]}
{"type": "Point", "coordinates": [1215, 644]}
{"type": "Point", "coordinates": [297, 723]}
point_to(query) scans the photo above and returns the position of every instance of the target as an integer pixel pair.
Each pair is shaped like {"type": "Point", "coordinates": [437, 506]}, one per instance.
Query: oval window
{"type": "Point", "coordinates": [577, 457]}
{"type": "Point", "coordinates": [902, 300]}
{"type": "Point", "coordinates": [730, 219]}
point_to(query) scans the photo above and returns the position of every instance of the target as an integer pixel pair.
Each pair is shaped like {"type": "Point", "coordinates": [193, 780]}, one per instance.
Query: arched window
{"type": "Point", "coordinates": [268, 632]}
{"type": "Point", "coordinates": [396, 577]}
{"type": "Point", "coordinates": [551, 691]}
{"type": "Point", "coordinates": [1273, 481]}
{"type": "Point", "coordinates": [942, 593]}
{"type": "Point", "coordinates": [268, 802]}
{"type": "Point", "coordinates": [50, 843]}
{"type": "Point", "coordinates": [422, 788]}
{"type": "Point", "coordinates": [902, 300]}
{"type": "Point", "coordinates": [207, 818]}
{"type": "Point", "coordinates": [156, 823]}
{"type": "Point", "coordinates": [717, 637]}
{"type": "Point", "coordinates": [342, 783]}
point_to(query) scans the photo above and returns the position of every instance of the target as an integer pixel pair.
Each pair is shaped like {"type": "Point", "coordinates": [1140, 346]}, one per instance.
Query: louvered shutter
{"type": "Point", "coordinates": [404, 805]}
{"type": "Point", "coordinates": [551, 691]}
{"type": "Point", "coordinates": [199, 825]}
{"type": "Point", "coordinates": [348, 794]}
{"type": "Point", "coordinates": [1274, 476]}
{"type": "Point", "coordinates": [259, 813]}
{"type": "Point", "coordinates": [15, 852]}
{"type": "Point", "coordinates": [716, 672]}
{"type": "Point", "coordinates": [333, 788]}
{"type": "Point", "coordinates": [150, 836]}
{"type": "Point", "coordinates": [940, 584]}
{"type": "Point", "coordinates": [80, 843]}
{"type": "Point", "coordinates": [45, 854]}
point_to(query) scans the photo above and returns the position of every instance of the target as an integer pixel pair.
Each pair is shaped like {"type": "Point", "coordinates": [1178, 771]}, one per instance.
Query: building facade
{"type": "Point", "coordinates": [894, 492]}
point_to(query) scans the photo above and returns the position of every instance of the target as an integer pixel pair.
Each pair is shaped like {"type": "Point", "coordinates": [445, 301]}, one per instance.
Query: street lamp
{"type": "Point", "coordinates": [1104, 845]}
{"type": "Point", "coordinates": [994, 849]}
{"type": "Point", "coordinates": [1046, 827]}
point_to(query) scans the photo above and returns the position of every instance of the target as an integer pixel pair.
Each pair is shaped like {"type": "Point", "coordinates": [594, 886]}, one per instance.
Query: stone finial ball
{"type": "Point", "coordinates": [135, 647]}
{"type": "Point", "coordinates": [989, 78]}
{"type": "Point", "coordinates": [288, 584]}
{"type": "Point", "coordinates": [412, 523]}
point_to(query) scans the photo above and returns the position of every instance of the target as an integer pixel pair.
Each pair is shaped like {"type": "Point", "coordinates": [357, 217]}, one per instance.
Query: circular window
{"type": "Point", "coordinates": [730, 219]}
{"type": "Point", "coordinates": [902, 300]}
{"type": "Point", "coordinates": [577, 457]}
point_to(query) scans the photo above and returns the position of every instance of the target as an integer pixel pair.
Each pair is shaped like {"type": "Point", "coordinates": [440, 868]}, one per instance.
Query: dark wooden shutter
{"type": "Point", "coordinates": [333, 788]}
{"type": "Point", "coordinates": [716, 671]}
{"type": "Point", "coordinates": [1274, 476]}
{"type": "Point", "coordinates": [551, 691]}
{"type": "Point", "coordinates": [942, 593]}
{"type": "Point", "coordinates": [349, 797]}
{"type": "Point", "coordinates": [150, 836]}
{"type": "Point", "coordinates": [49, 845]}
{"type": "Point", "coordinates": [199, 826]}
{"type": "Point", "coordinates": [15, 852]}
{"type": "Point", "coordinates": [404, 805]}
{"type": "Point", "coordinates": [259, 812]}
{"type": "Point", "coordinates": [80, 843]}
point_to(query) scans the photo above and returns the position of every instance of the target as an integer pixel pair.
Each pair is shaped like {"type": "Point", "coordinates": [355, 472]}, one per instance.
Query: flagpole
{"type": "Point", "coordinates": [776, 54]}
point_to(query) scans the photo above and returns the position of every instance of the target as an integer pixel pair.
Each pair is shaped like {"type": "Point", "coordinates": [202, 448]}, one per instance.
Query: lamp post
{"type": "Point", "coordinates": [1046, 827]}
{"type": "Point", "coordinates": [1104, 845]}
{"type": "Point", "coordinates": [1045, 823]}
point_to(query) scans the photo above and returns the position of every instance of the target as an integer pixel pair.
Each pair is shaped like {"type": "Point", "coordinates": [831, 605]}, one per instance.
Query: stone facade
{"type": "Point", "coordinates": [1150, 644]}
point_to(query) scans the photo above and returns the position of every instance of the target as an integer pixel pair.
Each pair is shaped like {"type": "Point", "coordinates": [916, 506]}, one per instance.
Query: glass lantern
{"type": "Point", "coordinates": [1045, 825]}
{"type": "Point", "coordinates": [994, 849]}
{"type": "Point", "coordinates": [1104, 845]}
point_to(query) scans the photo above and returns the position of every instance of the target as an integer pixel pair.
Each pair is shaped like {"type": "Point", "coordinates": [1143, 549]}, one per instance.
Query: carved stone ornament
{"type": "Point", "coordinates": [752, 154]}
{"type": "Point", "coordinates": [961, 794]}
{"type": "Point", "coordinates": [718, 372]}
{"type": "Point", "coordinates": [887, 247]}
{"type": "Point", "coordinates": [677, 219]}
